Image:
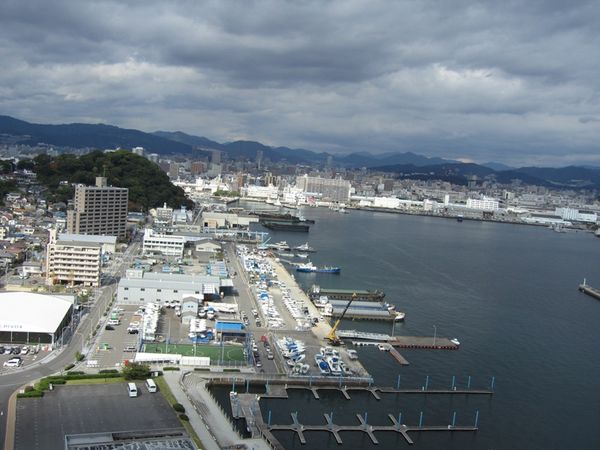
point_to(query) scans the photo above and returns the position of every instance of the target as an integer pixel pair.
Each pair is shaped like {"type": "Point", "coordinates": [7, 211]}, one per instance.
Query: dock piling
{"type": "Point", "coordinates": [233, 385]}
{"type": "Point", "coordinates": [421, 420]}
{"type": "Point", "coordinates": [366, 415]}
{"type": "Point", "coordinates": [426, 382]}
{"type": "Point", "coordinates": [493, 383]}
{"type": "Point", "coordinates": [453, 382]}
{"type": "Point", "coordinates": [398, 382]}
{"type": "Point", "coordinates": [476, 418]}
{"type": "Point", "coordinates": [469, 382]}
{"type": "Point", "coordinates": [269, 419]}
{"type": "Point", "coordinates": [399, 419]}
{"type": "Point", "coordinates": [454, 419]}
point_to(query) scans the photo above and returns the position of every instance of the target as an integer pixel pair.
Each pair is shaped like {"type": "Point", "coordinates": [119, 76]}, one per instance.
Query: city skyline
{"type": "Point", "coordinates": [472, 82]}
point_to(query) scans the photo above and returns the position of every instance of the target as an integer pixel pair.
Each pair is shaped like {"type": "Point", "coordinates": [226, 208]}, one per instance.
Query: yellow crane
{"type": "Point", "coordinates": [332, 337]}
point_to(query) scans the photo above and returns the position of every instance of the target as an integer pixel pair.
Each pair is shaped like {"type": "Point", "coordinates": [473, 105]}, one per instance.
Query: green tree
{"type": "Point", "coordinates": [136, 371]}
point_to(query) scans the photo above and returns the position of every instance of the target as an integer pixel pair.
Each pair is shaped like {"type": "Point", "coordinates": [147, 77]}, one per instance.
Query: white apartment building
{"type": "Point", "coordinates": [485, 203]}
{"type": "Point", "coordinates": [164, 244]}
{"type": "Point", "coordinates": [71, 261]}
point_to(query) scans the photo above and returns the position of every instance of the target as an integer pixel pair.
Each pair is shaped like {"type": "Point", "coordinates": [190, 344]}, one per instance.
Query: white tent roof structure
{"type": "Point", "coordinates": [32, 313]}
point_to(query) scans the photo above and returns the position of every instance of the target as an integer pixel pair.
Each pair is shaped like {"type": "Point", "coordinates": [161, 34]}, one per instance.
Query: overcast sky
{"type": "Point", "coordinates": [516, 82]}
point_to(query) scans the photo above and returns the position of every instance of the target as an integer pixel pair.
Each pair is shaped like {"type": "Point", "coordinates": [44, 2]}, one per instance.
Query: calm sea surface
{"type": "Point", "coordinates": [508, 293]}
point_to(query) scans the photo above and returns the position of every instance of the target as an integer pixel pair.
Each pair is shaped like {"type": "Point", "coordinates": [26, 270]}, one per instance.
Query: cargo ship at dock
{"type": "Point", "coordinates": [346, 294]}
{"type": "Point", "coordinates": [287, 218]}
{"type": "Point", "coordinates": [286, 226]}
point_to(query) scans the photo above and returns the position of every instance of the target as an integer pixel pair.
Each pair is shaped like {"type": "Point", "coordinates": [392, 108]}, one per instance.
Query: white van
{"type": "Point", "coordinates": [132, 389]}
{"type": "Point", "coordinates": [151, 385]}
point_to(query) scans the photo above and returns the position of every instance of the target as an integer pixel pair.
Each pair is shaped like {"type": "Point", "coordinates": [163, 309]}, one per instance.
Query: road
{"type": "Point", "coordinates": [59, 359]}
{"type": "Point", "coordinates": [247, 302]}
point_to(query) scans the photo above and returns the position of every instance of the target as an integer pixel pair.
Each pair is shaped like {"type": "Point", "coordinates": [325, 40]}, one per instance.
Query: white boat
{"type": "Point", "coordinates": [304, 248]}
{"type": "Point", "coordinates": [399, 316]}
{"type": "Point", "coordinates": [281, 245]}
{"type": "Point", "coordinates": [302, 255]}
{"type": "Point", "coordinates": [352, 354]}
{"type": "Point", "coordinates": [334, 366]}
{"type": "Point", "coordinates": [455, 341]}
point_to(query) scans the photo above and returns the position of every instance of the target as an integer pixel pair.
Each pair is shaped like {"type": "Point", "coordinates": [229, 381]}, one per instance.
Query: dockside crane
{"type": "Point", "coordinates": [332, 337]}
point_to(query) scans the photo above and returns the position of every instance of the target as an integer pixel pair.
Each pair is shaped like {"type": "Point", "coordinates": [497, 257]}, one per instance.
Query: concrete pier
{"type": "Point", "coordinates": [425, 342]}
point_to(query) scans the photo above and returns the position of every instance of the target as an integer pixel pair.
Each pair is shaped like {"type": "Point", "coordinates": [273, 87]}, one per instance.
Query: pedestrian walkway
{"type": "Point", "coordinates": [206, 417]}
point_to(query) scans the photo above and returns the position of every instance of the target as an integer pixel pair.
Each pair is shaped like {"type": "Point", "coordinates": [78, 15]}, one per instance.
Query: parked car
{"type": "Point", "coordinates": [16, 350]}
{"type": "Point", "coordinates": [13, 362]}
{"type": "Point", "coordinates": [24, 350]}
{"type": "Point", "coordinates": [109, 328]}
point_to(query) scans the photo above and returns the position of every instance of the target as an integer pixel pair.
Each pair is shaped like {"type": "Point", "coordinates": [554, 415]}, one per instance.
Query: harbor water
{"type": "Point", "coordinates": [507, 292]}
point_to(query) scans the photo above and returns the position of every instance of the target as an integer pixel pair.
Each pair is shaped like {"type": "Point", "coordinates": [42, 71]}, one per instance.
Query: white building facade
{"type": "Point", "coordinates": [72, 261]}
{"type": "Point", "coordinates": [164, 244]}
{"type": "Point", "coordinates": [484, 204]}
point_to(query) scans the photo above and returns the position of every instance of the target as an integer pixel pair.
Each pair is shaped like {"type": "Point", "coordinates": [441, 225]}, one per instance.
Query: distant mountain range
{"type": "Point", "coordinates": [459, 173]}
{"type": "Point", "coordinates": [407, 164]}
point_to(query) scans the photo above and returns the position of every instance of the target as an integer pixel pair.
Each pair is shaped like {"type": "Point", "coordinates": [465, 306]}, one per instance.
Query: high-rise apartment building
{"type": "Point", "coordinates": [99, 209]}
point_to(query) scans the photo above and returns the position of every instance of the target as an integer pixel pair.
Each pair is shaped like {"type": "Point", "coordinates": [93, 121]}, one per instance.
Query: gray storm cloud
{"type": "Point", "coordinates": [509, 81]}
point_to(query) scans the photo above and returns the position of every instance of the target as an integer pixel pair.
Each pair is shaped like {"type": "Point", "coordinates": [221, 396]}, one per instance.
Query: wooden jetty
{"type": "Point", "coordinates": [398, 357]}
{"type": "Point", "coordinates": [246, 406]}
{"type": "Point", "coordinates": [364, 427]}
{"type": "Point", "coordinates": [592, 292]}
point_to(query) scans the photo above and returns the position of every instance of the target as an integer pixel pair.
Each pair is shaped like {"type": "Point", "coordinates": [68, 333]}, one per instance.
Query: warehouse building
{"type": "Point", "coordinates": [27, 317]}
{"type": "Point", "coordinates": [142, 287]}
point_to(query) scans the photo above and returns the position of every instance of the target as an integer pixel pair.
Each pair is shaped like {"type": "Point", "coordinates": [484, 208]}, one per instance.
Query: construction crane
{"type": "Point", "coordinates": [332, 337]}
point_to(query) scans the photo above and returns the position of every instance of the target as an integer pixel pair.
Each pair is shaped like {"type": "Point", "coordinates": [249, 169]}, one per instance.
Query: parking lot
{"type": "Point", "coordinates": [43, 422]}
{"type": "Point", "coordinates": [115, 345]}
{"type": "Point", "coordinates": [34, 353]}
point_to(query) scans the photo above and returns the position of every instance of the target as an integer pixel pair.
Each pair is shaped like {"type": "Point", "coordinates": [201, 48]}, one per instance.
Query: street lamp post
{"type": "Point", "coordinates": [434, 334]}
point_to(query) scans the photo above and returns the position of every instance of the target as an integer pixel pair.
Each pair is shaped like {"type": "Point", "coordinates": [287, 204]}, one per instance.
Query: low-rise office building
{"type": "Point", "coordinates": [162, 244]}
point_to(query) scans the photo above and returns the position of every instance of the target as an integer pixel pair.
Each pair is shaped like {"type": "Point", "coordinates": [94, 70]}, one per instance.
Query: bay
{"type": "Point", "coordinates": [507, 292]}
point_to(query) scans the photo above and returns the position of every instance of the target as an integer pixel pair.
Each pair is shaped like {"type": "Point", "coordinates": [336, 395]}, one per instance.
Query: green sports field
{"type": "Point", "coordinates": [230, 352]}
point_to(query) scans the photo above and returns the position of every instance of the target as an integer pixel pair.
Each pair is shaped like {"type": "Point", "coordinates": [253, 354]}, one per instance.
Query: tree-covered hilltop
{"type": "Point", "coordinates": [148, 185]}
